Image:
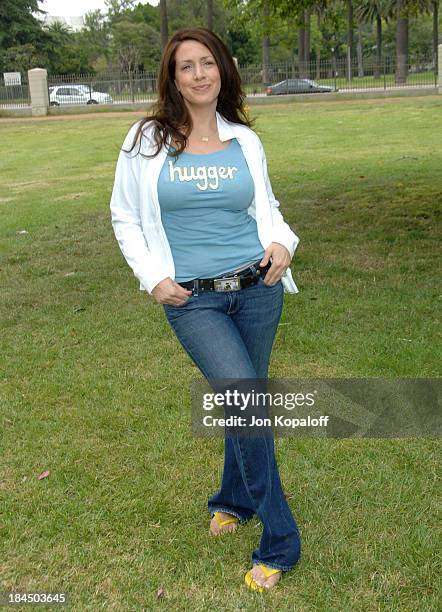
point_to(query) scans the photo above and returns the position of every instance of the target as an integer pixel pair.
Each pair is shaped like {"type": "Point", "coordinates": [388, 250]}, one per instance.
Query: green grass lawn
{"type": "Point", "coordinates": [95, 387]}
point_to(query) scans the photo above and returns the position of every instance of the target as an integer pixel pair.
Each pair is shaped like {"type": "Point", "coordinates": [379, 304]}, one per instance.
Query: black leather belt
{"type": "Point", "coordinates": [231, 281]}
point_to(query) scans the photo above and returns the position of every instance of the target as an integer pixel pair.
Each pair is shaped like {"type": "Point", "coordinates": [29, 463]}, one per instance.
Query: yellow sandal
{"type": "Point", "coordinates": [221, 523]}
{"type": "Point", "coordinates": [254, 586]}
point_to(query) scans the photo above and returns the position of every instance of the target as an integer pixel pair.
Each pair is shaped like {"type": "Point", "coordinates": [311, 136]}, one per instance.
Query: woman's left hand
{"type": "Point", "coordinates": [280, 262]}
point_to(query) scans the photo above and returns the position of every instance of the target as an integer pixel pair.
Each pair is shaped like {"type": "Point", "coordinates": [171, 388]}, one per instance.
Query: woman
{"type": "Point", "coordinates": [195, 217]}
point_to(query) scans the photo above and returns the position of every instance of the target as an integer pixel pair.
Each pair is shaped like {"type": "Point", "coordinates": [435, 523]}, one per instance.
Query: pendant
{"type": "Point", "coordinates": [205, 138]}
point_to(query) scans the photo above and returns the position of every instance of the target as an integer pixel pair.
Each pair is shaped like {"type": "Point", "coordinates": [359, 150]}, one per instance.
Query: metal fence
{"type": "Point", "coordinates": [15, 95]}
{"type": "Point", "coordinates": [103, 88]}
{"type": "Point", "coordinates": [336, 75]}
{"type": "Point", "coordinates": [317, 76]}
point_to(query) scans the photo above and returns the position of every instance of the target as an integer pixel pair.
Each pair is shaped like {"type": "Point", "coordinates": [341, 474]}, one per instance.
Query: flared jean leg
{"type": "Point", "coordinates": [233, 496]}
{"type": "Point", "coordinates": [226, 334]}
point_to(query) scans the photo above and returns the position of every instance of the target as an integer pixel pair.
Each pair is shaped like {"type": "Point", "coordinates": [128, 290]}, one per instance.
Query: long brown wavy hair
{"type": "Point", "coordinates": [169, 113]}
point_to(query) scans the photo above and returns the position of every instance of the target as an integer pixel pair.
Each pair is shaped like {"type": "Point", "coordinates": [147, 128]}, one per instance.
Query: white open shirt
{"type": "Point", "coordinates": [135, 209]}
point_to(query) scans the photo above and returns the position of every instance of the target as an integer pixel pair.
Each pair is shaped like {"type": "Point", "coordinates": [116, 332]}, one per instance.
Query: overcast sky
{"type": "Point", "coordinates": [74, 8]}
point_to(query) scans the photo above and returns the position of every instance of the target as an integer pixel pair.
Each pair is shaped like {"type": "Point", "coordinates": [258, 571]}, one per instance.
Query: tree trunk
{"type": "Point", "coordinates": [163, 23]}
{"type": "Point", "coordinates": [131, 85]}
{"type": "Point", "coordinates": [318, 48]}
{"type": "Point", "coordinates": [349, 39]}
{"type": "Point", "coordinates": [334, 64]}
{"type": "Point", "coordinates": [307, 43]}
{"type": "Point", "coordinates": [304, 45]}
{"type": "Point", "coordinates": [401, 44]}
{"type": "Point", "coordinates": [377, 69]}
{"type": "Point", "coordinates": [359, 52]}
{"type": "Point", "coordinates": [266, 45]}
{"type": "Point", "coordinates": [210, 14]}
{"type": "Point", "coordinates": [301, 48]}
{"type": "Point", "coordinates": [435, 35]}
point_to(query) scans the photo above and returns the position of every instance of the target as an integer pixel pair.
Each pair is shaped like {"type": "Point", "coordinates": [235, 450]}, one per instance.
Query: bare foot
{"type": "Point", "coordinates": [216, 529]}
{"type": "Point", "coordinates": [260, 578]}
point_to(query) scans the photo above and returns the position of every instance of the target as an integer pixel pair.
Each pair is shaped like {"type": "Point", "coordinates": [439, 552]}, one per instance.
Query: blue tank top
{"type": "Point", "coordinates": [203, 201]}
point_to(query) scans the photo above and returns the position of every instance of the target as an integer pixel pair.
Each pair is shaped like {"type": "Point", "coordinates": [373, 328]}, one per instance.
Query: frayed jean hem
{"type": "Point", "coordinates": [242, 520]}
{"type": "Point", "coordinates": [283, 568]}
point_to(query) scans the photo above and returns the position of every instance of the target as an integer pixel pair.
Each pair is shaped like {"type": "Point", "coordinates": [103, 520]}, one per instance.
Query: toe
{"type": "Point", "coordinates": [271, 581]}
{"type": "Point", "coordinates": [216, 529]}
{"type": "Point", "coordinates": [258, 575]}
{"type": "Point", "coordinates": [260, 578]}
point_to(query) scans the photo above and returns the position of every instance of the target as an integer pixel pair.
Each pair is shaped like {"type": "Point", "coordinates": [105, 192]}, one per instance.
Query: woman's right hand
{"type": "Point", "coordinates": [169, 292]}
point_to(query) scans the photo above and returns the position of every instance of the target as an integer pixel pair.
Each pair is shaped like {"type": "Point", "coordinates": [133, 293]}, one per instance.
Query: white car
{"type": "Point", "coordinates": [76, 94]}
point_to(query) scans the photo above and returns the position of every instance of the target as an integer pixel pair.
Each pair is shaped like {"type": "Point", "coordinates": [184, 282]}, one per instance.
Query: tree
{"type": "Point", "coordinates": [210, 14]}
{"type": "Point", "coordinates": [242, 35]}
{"type": "Point", "coordinates": [59, 32]}
{"type": "Point", "coordinates": [349, 39]}
{"type": "Point", "coordinates": [64, 50]}
{"type": "Point", "coordinates": [299, 12]}
{"type": "Point", "coordinates": [146, 13]}
{"type": "Point", "coordinates": [134, 45]}
{"type": "Point", "coordinates": [21, 58]}
{"type": "Point", "coordinates": [431, 7]}
{"type": "Point", "coordinates": [401, 42]}
{"type": "Point", "coordinates": [259, 18]}
{"type": "Point", "coordinates": [95, 36]}
{"type": "Point", "coordinates": [375, 10]}
{"type": "Point", "coordinates": [118, 9]}
{"type": "Point", "coordinates": [404, 10]}
{"type": "Point", "coordinates": [435, 10]}
{"type": "Point", "coordinates": [266, 80]}
{"type": "Point", "coordinates": [333, 32]}
{"type": "Point", "coordinates": [303, 23]}
{"type": "Point", "coordinates": [163, 23]}
{"type": "Point", "coordinates": [18, 25]}
{"type": "Point", "coordinates": [319, 9]}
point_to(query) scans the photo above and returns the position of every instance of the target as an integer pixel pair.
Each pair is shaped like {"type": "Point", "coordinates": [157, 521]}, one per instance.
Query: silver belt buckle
{"type": "Point", "coordinates": [230, 283]}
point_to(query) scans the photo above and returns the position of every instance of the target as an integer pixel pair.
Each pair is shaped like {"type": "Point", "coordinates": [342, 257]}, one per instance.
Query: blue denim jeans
{"type": "Point", "coordinates": [229, 335]}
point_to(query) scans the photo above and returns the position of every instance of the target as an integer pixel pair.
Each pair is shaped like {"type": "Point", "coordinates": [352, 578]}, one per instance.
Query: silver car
{"type": "Point", "coordinates": [294, 86]}
{"type": "Point", "coordinates": [76, 94]}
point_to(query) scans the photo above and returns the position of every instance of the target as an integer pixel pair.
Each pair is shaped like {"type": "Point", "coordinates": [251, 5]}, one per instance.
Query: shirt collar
{"type": "Point", "coordinates": [226, 129]}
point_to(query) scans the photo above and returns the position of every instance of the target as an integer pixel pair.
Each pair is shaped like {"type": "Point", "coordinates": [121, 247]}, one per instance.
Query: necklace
{"type": "Point", "coordinates": [205, 138]}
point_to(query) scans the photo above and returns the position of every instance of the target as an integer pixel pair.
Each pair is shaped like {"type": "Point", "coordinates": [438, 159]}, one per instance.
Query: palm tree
{"type": "Point", "coordinates": [59, 30]}
{"type": "Point", "coordinates": [375, 10]}
{"type": "Point", "coordinates": [405, 9]}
